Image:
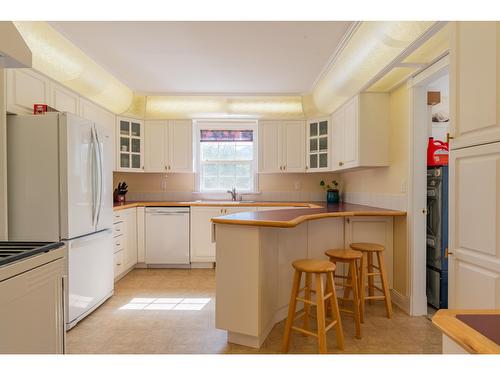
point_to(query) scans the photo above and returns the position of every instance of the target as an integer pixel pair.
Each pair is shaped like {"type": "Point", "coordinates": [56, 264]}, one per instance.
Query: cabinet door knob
{"type": "Point", "coordinates": [166, 168]}
{"type": "Point", "coordinates": [284, 167]}
{"type": "Point", "coordinates": [341, 163]}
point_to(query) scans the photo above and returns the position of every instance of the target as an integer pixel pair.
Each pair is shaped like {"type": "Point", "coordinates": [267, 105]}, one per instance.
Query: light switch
{"type": "Point", "coordinates": [403, 186]}
{"type": "Point", "coordinates": [297, 185]}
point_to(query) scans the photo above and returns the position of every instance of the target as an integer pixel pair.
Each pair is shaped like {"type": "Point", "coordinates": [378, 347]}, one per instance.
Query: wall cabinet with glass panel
{"type": "Point", "coordinates": [318, 145]}
{"type": "Point", "coordinates": [361, 132]}
{"type": "Point", "coordinates": [130, 144]}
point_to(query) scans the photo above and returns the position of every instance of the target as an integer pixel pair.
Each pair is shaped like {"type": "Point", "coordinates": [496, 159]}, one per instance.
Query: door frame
{"type": "Point", "coordinates": [417, 186]}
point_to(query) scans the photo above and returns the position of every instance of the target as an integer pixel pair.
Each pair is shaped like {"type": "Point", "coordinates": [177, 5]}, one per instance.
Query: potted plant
{"type": "Point", "coordinates": [332, 191]}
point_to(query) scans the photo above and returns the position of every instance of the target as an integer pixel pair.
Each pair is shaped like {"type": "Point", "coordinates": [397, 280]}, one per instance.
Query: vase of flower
{"type": "Point", "coordinates": [332, 192]}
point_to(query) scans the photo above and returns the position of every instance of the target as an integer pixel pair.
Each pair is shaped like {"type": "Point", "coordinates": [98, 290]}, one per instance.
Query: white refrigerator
{"type": "Point", "coordinates": [60, 188]}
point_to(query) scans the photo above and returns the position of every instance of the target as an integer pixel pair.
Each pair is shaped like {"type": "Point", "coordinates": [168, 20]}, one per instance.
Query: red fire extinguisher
{"type": "Point", "coordinates": [437, 153]}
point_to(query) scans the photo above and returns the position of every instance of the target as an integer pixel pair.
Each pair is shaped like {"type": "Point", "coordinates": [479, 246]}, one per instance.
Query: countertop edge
{"type": "Point", "coordinates": [208, 204]}
{"type": "Point", "coordinates": [302, 218]}
{"type": "Point", "coordinates": [446, 322]}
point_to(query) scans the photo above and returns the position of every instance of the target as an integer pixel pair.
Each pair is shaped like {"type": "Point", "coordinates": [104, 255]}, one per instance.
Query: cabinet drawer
{"type": "Point", "coordinates": [118, 228]}
{"type": "Point", "coordinates": [117, 217]}
{"type": "Point", "coordinates": [119, 244]}
{"type": "Point", "coordinates": [118, 263]}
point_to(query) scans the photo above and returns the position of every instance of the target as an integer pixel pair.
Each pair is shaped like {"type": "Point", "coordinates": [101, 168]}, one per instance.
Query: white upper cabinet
{"type": "Point", "coordinates": [130, 144]}
{"type": "Point", "coordinates": [361, 132]}
{"type": "Point", "coordinates": [281, 146]}
{"type": "Point", "coordinates": [180, 146]}
{"type": "Point", "coordinates": [25, 87]}
{"type": "Point", "coordinates": [169, 146]}
{"type": "Point", "coordinates": [63, 99]}
{"type": "Point", "coordinates": [318, 145]}
{"type": "Point", "coordinates": [155, 149]}
{"type": "Point", "coordinates": [474, 83]}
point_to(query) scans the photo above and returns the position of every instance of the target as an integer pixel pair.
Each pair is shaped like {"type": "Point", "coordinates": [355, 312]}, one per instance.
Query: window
{"type": "Point", "coordinates": [226, 156]}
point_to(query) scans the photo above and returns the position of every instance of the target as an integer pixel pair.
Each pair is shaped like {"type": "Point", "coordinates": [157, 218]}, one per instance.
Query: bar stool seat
{"type": "Point", "coordinates": [318, 268]}
{"type": "Point", "coordinates": [368, 274]}
{"type": "Point", "coordinates": [313, 265]}
{"type": "Point", "coordinates": [350, 282]}
{"type": "Point", "coordinates": [367, 246]}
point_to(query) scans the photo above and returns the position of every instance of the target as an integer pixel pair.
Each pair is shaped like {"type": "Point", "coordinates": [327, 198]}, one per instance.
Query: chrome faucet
{"type": "Point", "coordinates": [233, 193]}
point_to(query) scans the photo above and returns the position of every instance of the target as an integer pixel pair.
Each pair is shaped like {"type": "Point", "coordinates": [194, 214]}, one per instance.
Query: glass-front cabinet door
{"type": "Point", "coordinates": [130, 144]}
{"type": "Point", "coordinates": [318, 145]}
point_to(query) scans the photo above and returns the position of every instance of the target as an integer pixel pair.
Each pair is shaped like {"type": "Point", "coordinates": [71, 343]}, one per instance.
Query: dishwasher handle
{"type": "Point", "coordinates": [167, 213]}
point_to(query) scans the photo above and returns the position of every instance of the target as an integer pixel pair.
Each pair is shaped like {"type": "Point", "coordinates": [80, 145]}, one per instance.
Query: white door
{"type": "Point", "coordinates": [155, 148]}
{"type": "Point", "coordinates": [474, 83]}
{"type": "Point", "coordinates": [90, 273]}
{"type": "Point", "coordinates": [104, 137]}
{"type": "Point", "coordinates": [180, 146]}
{"type": "Point", "coordinates": [78, 168]}
{"type": "Point", "coordinates": [202, 246]}
{"type": "Point", "coordinates": [294, 153]}
{"type": "Point", "coordinates": [474, 239]}
{"type": "Point", "coordinates": [270, 147]}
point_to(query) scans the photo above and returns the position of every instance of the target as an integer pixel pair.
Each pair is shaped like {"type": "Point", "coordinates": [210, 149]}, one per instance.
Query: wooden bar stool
{"type": "Point", "coordinates": [368, 249]}
{"type": "Point", "coordinates": [350, 282]}
{"type": "Point", "coordinates": [318, 268]}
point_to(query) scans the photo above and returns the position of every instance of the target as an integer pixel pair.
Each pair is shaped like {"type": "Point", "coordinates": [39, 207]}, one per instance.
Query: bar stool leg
{"type": "Point", "coordinates": [320, 314]}
{"type": "Point", "coordinates": [385, 285]}
{"type": "Point", "coordinates": [371, 278]}
{"type": "Point", "coordinates": [335, 311]}
{"type": "Point", "coordinates": [355, 298]}
{"type": "Point", "coordinates": [307, 306]}
{"type": "Point", "coordinates": [362, 284]}
{"type": "Point", "coordinates": [291, 310]}
{"type": "Point", "coordinates": [347, 289]}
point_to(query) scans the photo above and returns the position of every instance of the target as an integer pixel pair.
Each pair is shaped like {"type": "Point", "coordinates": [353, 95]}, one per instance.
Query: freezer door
{"type": "Point", "coordinates": [78, 179]}
{"type": "Point", "coordinates": [104, 216]}
{"type": "Point", "coordinates": [90, 274]}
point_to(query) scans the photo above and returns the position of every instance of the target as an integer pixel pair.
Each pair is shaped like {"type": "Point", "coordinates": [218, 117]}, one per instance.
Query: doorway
{"type": "Point", "coordinates": [429, 117]}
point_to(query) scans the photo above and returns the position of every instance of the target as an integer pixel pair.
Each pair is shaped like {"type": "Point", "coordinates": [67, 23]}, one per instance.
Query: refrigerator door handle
{"type": "Point", "coordinates": [100, 175]}
{"type": "Point", "coordinates": [94, 176]}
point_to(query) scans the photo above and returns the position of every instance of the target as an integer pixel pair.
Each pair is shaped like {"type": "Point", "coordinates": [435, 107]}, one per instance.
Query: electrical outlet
{"type": "Point", "coordinates": [297, 185]}
{"type": "Point", "coordinates": [403, 186]}
{"type": "Point", "coordinates": [163, 183]}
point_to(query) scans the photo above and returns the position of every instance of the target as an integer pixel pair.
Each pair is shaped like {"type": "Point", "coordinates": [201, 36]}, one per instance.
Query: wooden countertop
{"type": "Point", "coordinates": [463, 334]}
{"type": "Point", "coordinates": [123, 206]}
{"type": "Point", "coordinates": [291, 218]}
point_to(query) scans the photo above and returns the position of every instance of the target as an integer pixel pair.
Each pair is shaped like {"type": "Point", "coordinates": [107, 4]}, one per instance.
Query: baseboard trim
{"type": "Point", "coordinates": [403, 302]}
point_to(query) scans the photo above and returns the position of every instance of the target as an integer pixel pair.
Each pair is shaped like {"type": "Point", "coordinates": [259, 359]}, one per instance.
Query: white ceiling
{"type": "Point", "coordinates": [210, 57]}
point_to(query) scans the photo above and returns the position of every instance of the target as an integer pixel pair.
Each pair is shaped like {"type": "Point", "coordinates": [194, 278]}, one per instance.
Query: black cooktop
{"type": "Point", "coordinates": [11, 251]}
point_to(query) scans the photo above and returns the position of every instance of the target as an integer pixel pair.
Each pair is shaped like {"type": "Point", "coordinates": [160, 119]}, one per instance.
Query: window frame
{"type": "Point", "coordinates": [222, 124]}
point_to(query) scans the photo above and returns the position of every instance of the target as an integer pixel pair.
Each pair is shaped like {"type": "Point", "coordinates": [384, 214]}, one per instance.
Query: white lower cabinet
{"type": "Point", "coordinates": [125, 241]}
{"type": "Point", "coordinates": [202, 241]}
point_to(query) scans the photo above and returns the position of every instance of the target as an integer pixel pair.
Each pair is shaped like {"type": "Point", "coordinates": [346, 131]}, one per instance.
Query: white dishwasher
{"type": "Point", "coordinates": [167, 236]}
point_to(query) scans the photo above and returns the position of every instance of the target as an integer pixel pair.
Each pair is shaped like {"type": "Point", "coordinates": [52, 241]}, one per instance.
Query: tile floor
{"type": "Point", "coordinates": [173, 311]}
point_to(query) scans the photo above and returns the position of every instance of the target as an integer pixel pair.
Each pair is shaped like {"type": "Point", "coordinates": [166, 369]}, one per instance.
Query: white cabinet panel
{"type": "Point", "coordinates": [361, 132]}
{"type": "Point", "coordinates": [180, 146]}
{"type": "Point", "coordinates": [130, 255]}
{"type": "Point", "coordinates": [294, 158]}
{"type": "Point", "coordinates": [202, 247]}
{"type": "Point", "coordinates": [64, 100]}
{"type": "Point", "coordinates": [155, 149]}
{"type": "Point", "coordinates": [351, 133]}
{"type": "Point", "coordinates": [281, 146]}
{"type": "Point", "coordinates": [474, 239]}
{"type": "Point", "coordinates": [25, 87]}
{"type": "Point", "coordinates": [474, 83]}
{"type": "Point", "coordinates": [270, 147]}
{"type": "Point", "coordinates": [169, 146]}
